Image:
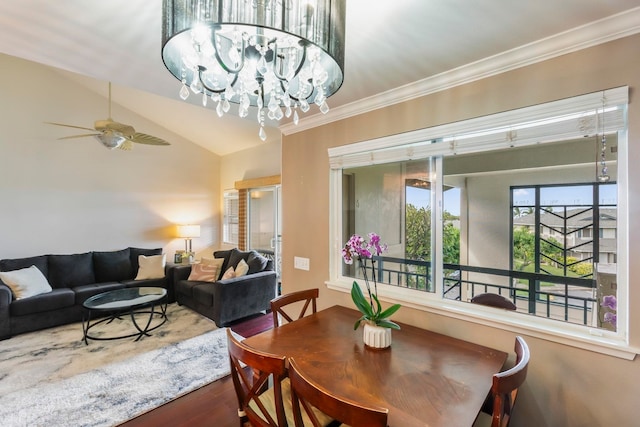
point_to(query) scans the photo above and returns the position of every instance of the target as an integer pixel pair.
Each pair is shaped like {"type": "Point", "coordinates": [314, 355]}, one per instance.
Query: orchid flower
{"type": "Point", "coordinates": [358, 248]}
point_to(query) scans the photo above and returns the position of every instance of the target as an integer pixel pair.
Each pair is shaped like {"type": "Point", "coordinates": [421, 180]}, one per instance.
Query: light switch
{"type": "Point", "coordinates": [301, 263]}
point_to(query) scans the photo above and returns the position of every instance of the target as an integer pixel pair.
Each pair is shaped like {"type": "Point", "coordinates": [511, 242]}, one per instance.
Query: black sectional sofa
{"type": "Point", "coordinates": [227, 300]}
{"type": "Point", "coordinates": [73, 279]}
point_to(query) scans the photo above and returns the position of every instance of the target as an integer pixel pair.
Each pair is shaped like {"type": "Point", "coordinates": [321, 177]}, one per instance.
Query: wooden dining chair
{"type": "Point", "coordinates": [309, 296]}
{"type": "Point", "coordinates": [260, 405]}
{"type": "Point", "coordinates": [494, 300]}
{"type": "Point", "coordinates": [262, 388]}
{"type": "Point", "coordinates": [308, 397]}
{"type": "Point", "coordinates": [504, 390]}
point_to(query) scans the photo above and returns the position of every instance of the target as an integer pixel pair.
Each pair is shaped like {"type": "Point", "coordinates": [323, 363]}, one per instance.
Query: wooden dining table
{"type": "Point", "coordinates": [424, 378]}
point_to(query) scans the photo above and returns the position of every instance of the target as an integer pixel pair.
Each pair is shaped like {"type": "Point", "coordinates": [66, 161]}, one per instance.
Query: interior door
{"type": "Point", "coordinates": [264, 225]}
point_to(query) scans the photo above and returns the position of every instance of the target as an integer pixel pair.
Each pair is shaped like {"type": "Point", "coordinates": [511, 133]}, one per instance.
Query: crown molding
{"type": "Point", "coordinates": [604, 30]}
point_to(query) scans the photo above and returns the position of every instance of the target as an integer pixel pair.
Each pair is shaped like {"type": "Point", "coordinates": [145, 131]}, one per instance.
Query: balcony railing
{"type": "Point", "coordinates": [564, 298]}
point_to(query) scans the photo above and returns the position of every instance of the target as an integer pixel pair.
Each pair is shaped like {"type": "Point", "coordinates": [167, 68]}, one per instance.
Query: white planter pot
{"type": "Point", "coordinates": [376, 336]}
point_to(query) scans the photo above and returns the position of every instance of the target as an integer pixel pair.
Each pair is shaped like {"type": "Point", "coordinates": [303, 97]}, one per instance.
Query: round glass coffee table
{"type": "Point", "coordinates": [120, 302]}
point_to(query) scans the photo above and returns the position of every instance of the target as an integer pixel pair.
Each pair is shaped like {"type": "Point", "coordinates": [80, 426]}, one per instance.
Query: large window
{"type": "Point", "coordinates": [552, 234]}
{"type": "Point", "coordinates": [448, 202]}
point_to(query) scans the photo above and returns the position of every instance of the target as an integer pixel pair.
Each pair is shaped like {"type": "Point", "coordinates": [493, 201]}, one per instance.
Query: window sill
{"type": "Point", "coordinates": [582, 337]}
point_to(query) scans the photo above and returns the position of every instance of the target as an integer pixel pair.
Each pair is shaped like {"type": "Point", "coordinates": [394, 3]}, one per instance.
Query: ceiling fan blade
{"type": "Point", "coordinates": [109, 124]}
{"type": "Point", "coordinates": [79, 136]}
{"type": "Point", "coordinates": [70, 126]}
{"type": "Point", "coordinates": [143, 138]}
{"type": "Point", "coordinates": [127, 145]}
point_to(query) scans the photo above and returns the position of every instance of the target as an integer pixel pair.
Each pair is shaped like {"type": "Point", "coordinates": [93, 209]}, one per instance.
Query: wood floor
{"type": "Point", "coordinates": [213, 405]}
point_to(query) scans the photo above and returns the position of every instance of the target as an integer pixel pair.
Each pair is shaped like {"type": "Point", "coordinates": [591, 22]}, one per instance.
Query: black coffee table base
{"type": "Point", "coordinates": [141, 331]}
{"type": "Point", "coordinates": [156, 308]}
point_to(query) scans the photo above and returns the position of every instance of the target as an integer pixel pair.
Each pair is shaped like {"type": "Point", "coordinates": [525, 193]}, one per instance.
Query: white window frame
{"type": "Point", "coordinates": [227, 216]}
{"type": "Point", "coordinates": [564, 119]}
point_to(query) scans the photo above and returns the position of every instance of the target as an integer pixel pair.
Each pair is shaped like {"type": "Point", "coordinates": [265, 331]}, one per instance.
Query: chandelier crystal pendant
{"type": "Point", "coordinates": [603, 176]}
{"type": "Point", "coordinates": [277, 55]}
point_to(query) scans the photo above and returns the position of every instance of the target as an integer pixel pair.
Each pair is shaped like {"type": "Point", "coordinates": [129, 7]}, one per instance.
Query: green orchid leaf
{"type": "Point", "coordinates": [390, 311]}
{"type": "Point", "coordinates": [360, 301]}
{"type": "Point", "coordinates": [385, 323]}
{"type": "Point", "coordinates": [357, 324]}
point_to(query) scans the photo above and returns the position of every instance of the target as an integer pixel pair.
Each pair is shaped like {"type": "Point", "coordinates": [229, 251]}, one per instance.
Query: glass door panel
{"type": "Point", "coordinates": [264, 222]}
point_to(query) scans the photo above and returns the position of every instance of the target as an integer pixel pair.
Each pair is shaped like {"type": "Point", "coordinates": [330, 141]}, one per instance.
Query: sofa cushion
{"type": "Point", "coordinates": [256, 262]}
{"type": "Point", "coordinates": [112, 266]}
{"type": "Point", "coordinates": [203, 294]}
{"type": "Point", "coordinates": [151, 267]}
{"type": "Point", "coordinates": [225, 256]}
{"type": "Point", "coordinates": [185, 287]}
{"type": "Point", "coordinates": [69, 271]}
{"type": "Point", "coordinates": [235, 257]}
{"type": "Point", "coordinates": [54, 300]}
{"type": "Point", "coordinates": [86, 291]}
{"type": "Point", "coordinates": [134, 253]}
{"type": "Point", "coordinates": [19, 263]}
{"type": "Point", "coordinates": [26, 282]}
{"type": "Point", "coordinates": [156, 283]}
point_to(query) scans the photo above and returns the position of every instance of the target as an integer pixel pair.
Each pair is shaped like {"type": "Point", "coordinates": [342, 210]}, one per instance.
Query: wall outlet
{"type": "Point", "coordinates": [301, 263]}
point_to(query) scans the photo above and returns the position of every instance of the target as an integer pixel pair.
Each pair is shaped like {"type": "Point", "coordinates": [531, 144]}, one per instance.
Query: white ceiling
{"type": "Point", "coordinates": [394, 49]}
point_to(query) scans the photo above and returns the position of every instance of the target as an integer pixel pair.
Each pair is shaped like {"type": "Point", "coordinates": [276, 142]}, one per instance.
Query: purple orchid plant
{"type": "Point", "coordinates": [610, 302]}
{"type": "Point", "coordinates": [357, 248]}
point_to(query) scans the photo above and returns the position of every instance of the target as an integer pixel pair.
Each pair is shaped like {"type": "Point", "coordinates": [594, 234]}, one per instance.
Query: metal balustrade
{"type": "Point", "coordinates": [559, 297]}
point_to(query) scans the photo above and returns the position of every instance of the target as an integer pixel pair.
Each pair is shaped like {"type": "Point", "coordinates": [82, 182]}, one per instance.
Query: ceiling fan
{"type": "Point", "coordinates": [113, 134]}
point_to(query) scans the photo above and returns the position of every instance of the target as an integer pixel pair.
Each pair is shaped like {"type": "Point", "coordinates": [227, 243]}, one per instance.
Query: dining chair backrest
{"type": "Point", "coordinates": [306, 395]}
{"type": "Point", "coordinates": [494, 300]}
{"type": "Point", "coordinates": [309, 296]}
{"type": "Point", "coordinates": [252, 381]}
{"type": "Point", "coordinates": [505, 385]}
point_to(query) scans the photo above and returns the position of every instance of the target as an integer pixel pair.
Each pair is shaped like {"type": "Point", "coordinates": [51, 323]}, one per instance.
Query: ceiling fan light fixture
{"type": "Point", "coordinates": [111, 139]}
{"type": "Point", "coordinates": [114, 134]}
{"type": "Point", "coordinates": [271, 54]}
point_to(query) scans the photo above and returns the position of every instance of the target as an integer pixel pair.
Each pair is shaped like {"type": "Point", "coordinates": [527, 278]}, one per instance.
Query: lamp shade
{"type": "Point", "coordinates": [188, 231]}
{"type": "Point", "coordinates": [276, 55]}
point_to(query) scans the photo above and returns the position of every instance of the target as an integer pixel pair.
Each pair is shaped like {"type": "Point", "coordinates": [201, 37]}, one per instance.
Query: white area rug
{"type": "Point", "coordinates": [34, 392]}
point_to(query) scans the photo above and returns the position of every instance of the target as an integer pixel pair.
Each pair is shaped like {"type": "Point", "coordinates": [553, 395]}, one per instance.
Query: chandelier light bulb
{"type": "Point", "coordinates": [274, 55]}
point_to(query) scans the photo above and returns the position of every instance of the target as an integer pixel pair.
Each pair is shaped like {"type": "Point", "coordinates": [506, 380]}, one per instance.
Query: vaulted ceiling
{"type": "Point", "coordinates": [395, 50]}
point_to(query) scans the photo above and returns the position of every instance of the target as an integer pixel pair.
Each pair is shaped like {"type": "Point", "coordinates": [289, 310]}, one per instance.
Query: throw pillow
{"type": "Point", "coordinates": [229, 274]}
{"type": "Point", "coordinates": [235, 257]}
{"type": "Point", "coordinates": [42, 262]}
{"type": "Point", "coordinates": [257, 262]}
{"type": "Point", "coordinates": [217, 262]}
{"type": "Point", "coordinates": [204, 272]}
{"type": "Point", "coordinates": [26, 282]}
{"type": "Point", "coordinates": [135, 253]}
{"type": "Point", "coordinates": [225, 256]}
{"type": "Point", "coordinates": [242, 268]}
{"type": "Point", "coordinates": [151, 267]}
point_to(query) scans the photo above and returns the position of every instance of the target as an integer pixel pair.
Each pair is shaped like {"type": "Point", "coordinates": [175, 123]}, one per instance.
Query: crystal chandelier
{"type": "Point", "coordinates": [277, 55]}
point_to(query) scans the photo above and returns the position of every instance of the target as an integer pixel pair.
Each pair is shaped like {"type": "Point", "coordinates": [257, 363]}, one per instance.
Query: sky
{"type": "Point", "coordinates": [570, 196]}
{"type": "Point", "coordinates": [420, 198]}
{"type": "Point", "coordinates": [549, 196]}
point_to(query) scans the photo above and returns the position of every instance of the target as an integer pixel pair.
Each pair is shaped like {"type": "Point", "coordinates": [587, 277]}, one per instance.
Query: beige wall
{"type": "Point", "coordinates": [261, 161]}
{"type": "Point", "coordinates": [257, 162]}
{"type": "Point", "coordinates": [566, 386]}
{"type": "Point", "coordinates": [75, 195]}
